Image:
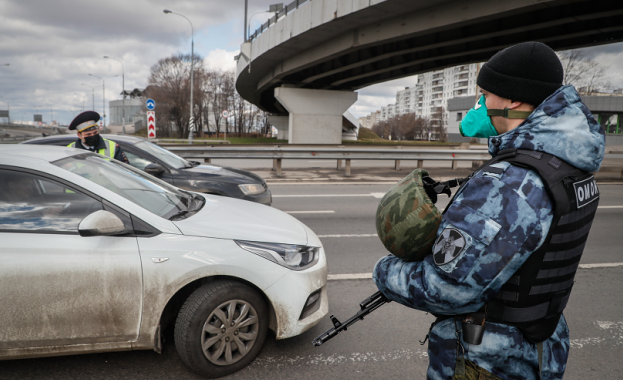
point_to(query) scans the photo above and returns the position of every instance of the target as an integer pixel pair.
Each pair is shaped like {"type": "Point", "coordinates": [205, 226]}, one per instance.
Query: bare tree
{"type": "Point", "coordinates": [169, 86]}
{"type": "Point", "coordinates": [583, 72]}
{"type": "Point", "coordinates": [214, 92]}
{"type": "Point", "coordinates": [437, 125]}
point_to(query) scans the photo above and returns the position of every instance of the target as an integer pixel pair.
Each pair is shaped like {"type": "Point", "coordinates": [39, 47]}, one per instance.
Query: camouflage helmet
{"type": "Point", "coordinates": [407, 220]}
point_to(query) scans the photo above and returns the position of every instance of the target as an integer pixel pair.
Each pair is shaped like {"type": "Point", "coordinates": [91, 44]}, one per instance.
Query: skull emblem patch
{"type": "Point", "coordinates": [448, 246]}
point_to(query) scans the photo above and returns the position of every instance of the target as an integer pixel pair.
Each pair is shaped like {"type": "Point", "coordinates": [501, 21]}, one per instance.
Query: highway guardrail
{"type": "Point", "coordinates": [277, 154]}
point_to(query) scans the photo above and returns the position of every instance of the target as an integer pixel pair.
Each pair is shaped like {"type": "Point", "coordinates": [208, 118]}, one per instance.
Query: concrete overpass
{"type": "Point", "coordinates": [305, 65]}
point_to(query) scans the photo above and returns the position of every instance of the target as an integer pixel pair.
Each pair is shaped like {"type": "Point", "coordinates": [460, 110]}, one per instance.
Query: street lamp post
{"type": "Point", "coordinates": [123, 90]}
{"type": "Point", "coordinates": [191, 122]}
{"type": "Point", "coordinates": [274, 8]}
{"type": "Point", "coordinates": [92, 95]}
{"type": "Point", "coordinates": [104, 94]}
{"type": "Point", "coordinates": [8, 107]}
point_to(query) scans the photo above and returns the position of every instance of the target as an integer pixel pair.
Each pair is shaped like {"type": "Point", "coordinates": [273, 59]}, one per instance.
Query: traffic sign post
{"type": "Point", "coordinates": [151, 124]}
{"type": "Point", "coordinates": [225, 115]}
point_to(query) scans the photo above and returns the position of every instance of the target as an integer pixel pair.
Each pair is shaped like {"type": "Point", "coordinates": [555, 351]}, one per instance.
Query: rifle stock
{"type": "Point", "coordinates": [366, 307]}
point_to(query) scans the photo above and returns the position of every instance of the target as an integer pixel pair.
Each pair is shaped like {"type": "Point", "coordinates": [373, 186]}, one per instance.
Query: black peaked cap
{"type": "Point", "coordinates": [527, 72]}
{"type": "Point", "coordinates": [83, 118]}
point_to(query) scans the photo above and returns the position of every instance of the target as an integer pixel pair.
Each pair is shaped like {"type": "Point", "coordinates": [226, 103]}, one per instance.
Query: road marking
{"type": "Point", "coordinates": [609, 206]}
{"type": "Point", "coordinates": [311, 212]}
{"type": "Point", "coordinates": [321, 195]}
{"type": "Point", "coordinates": [337, 359]}
{"type": "Point", "coordinates": [365, 276]}
{"type": "Point", "coordinates": [352, 235]}
{"type": "Point", "coordinates": [614, 335]}
{"type": "Point", "coordinates": [378, 195]}
{"type": "Point", "coordinates": [600, 265]}
{"type": "Point", "coordinates": [349, 276]}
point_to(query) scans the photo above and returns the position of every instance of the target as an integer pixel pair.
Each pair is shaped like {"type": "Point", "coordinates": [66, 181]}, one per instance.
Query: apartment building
{"type": "Point", "coordinates": [388, 112]}
{"type": "Point", "coordinates": [434, 88]}
{"type": "Point", "coordinates": [370, 120]}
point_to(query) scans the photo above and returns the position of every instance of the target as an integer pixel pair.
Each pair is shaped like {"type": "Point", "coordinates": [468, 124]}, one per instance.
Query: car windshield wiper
{"type": "Point", "coordinates": [179, 214]}
{"type": "Point", "coordinates": [191, 164]}
{"type": "Point", "coordinates": [196, 202]}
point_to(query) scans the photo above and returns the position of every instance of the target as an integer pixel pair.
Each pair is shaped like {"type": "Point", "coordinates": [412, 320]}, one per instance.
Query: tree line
{"type": "Point", "coordinates": [408, 126]}
{"type": "Point", "coordinates": [213, 92]}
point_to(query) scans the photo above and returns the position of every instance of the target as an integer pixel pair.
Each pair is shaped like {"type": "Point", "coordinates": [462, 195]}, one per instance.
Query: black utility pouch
{"type": "Point", "coordinates": [472, 333]}
{"type": "Point", "coordinates": [474, 328]}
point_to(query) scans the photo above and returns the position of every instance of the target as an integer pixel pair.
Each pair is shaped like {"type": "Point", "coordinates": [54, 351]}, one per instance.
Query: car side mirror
{"type": "Point", "coordinates": [101, 223]}
{"type": "Point", "coordinates": [154, 169]}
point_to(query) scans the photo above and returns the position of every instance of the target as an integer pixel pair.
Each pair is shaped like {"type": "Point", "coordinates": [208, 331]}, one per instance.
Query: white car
{"type": "Point", "coordinates": [98, 256]}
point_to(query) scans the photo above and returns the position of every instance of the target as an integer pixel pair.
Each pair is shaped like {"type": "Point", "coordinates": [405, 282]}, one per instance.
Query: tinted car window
{"type": "Point", "coordinates": [30, 202]}
{"type": "Point", "coordinates": [169, 158]}
{"type": "Point", "coordinates": [136, 161]}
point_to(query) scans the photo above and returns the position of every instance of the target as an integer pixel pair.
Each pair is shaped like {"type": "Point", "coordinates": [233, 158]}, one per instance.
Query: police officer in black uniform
{"type": "Point", "coordinates": [89, 138]}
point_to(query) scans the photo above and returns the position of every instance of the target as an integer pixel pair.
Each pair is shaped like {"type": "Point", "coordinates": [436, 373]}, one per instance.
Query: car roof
{"type": "Point", "coordinates": [47, 153]}
{"type": "Point", "coordinates": [116, 138]}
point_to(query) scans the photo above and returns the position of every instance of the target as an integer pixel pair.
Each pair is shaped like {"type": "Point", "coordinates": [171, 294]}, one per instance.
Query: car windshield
{"type": "Point", "coordinates": [134, 185]}
{"type": "Point", "coordinates": [164, 155]}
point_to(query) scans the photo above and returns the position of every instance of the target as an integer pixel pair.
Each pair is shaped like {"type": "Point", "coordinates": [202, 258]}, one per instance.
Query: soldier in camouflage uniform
{"type": "Point", "coordinates": [496, 221]}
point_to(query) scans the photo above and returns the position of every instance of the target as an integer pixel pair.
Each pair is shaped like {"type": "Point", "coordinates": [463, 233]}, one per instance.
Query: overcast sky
{"type": "Point", "coordinates": [53, 45]}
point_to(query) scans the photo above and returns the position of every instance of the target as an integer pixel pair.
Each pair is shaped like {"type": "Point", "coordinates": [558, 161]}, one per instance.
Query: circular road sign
{"type": "Point", "coordinates": [225, 114]}
{"type": "Point", "coordinates": [150, 104]}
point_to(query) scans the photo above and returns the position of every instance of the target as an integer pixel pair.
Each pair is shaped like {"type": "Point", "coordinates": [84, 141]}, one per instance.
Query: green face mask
{"type": "Point", "coordinates": [476, 122]}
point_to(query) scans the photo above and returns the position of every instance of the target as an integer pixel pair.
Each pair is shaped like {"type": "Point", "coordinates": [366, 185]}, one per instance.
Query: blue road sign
{"type": "Point", "coordinates": [150, 104]}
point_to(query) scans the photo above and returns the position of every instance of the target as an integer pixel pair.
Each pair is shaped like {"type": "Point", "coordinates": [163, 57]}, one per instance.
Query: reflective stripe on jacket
{"type": "Point", "coordinates": [109, 151]}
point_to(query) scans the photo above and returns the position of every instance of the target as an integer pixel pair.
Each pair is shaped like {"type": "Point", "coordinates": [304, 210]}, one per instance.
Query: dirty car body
{"type": "Point", "coordinates": [101, 257]}
{"type": "Point", "coordinates": [188, 175]}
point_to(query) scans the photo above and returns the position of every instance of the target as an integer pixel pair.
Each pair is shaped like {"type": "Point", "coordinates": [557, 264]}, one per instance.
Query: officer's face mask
{"type": "Point", "coordinates": [92, 140]}
{"type": "Point", "coordinates": [476, 122]}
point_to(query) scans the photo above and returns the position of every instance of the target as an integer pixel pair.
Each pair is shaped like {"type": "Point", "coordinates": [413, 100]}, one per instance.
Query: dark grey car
{"type": "Point", "coordinates": [188, 175]}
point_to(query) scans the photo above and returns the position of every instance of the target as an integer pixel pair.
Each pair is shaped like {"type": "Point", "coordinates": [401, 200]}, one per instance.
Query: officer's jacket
{"type": "Point", "coordinates": [105, 147]}
{"type": "Point", "coordinates": [494, 223]}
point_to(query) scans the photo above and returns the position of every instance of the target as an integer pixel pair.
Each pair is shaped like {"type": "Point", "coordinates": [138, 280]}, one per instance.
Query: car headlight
{"type": "Point", "coordinates": [252, 188]}
{"type": "Point", "coordinates": [292, 256]}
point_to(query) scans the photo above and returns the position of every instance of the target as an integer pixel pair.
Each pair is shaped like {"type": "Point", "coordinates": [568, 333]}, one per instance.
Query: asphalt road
{"type": "Point", "coordinates": [384, 345]}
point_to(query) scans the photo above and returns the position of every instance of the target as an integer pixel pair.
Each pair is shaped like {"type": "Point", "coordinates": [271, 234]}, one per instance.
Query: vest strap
{"type": "Point", "coordinates": [509, 114]}
{"type": "Point", "coordinates": [504, 314]}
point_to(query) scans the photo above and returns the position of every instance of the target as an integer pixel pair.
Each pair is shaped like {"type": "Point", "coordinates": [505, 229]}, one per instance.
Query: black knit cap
{"type": "Point", "coordinates": [527, 72]}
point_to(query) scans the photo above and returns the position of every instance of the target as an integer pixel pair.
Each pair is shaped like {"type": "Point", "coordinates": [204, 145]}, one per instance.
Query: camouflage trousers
{"type": "Point", "coordinates": [473, 372]}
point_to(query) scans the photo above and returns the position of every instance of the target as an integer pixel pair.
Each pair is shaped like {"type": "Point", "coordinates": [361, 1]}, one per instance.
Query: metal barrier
{"type": "Point", "coordinates": [277, 154]}
{"type": "Point", "coordinates": [284, 12]}
{"type": "Point", "coordinates": [15, 139]}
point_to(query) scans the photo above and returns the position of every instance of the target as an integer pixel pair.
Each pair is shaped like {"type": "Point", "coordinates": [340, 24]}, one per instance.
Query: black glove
{"type": "Point", "coordinates": [433, 188]}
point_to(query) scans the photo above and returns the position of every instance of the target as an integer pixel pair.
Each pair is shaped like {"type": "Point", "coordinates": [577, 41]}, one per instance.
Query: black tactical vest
{"type": "Point", "coordinates": [535, 296]}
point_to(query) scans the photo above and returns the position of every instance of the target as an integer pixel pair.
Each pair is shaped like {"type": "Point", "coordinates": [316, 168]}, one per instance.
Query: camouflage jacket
{"type": "Point", "coordinates": [494, 223]}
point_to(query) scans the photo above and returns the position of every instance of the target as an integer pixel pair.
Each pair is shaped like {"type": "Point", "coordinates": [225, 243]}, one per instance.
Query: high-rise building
{"type": "Point", "coordinates": [434, 88]}
{"type": "Point", "coordinates": [388, 112]}
{"type": "Point", "coordinates": [431, 93]}
{"type": "Point", "coordinates": [370, 120]}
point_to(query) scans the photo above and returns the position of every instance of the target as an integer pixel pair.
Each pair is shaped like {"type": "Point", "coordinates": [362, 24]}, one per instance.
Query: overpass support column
{"type": "Point", "coordinates": [315, 115]}
{"type": "Point", "coordinates": [281, 123]}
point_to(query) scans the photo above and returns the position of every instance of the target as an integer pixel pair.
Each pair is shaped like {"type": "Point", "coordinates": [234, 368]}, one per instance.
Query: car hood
{"type": "Point", "coordinates": [230, 218]}
{"type": "Point", "coordinates": [223, 174]}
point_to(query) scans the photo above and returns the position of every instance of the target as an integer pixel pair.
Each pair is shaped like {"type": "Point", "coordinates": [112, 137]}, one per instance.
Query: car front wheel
{"type": "Point", "coordinates": [221, 328]}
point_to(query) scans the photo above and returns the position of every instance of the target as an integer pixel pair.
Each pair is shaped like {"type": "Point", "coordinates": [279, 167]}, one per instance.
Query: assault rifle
{"type": "Point", "coordinates": [367, 306]}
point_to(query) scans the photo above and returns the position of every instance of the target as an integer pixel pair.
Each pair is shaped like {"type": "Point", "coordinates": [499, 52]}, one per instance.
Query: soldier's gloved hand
{"type": "Point", "coordinates": [429, 187]}
{"type": "Point", "coordinates": [433, 188]}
